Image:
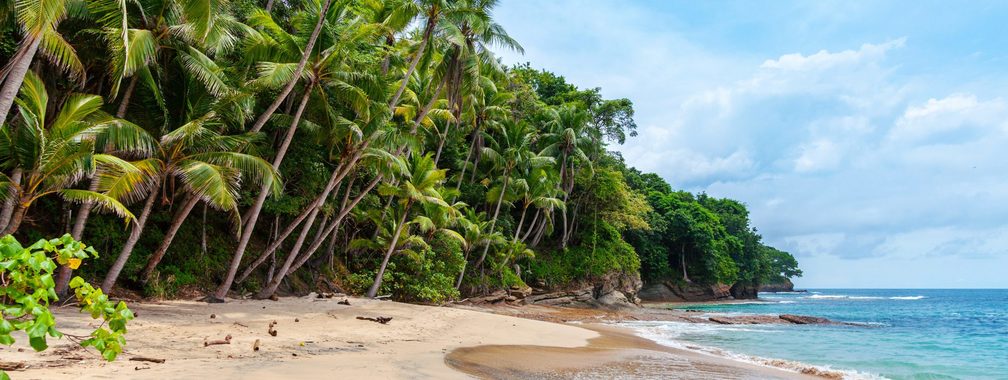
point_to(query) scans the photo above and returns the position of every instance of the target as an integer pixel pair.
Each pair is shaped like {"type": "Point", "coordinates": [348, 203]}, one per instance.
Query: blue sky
{"type": "Point", "coordinates": [870, 138]}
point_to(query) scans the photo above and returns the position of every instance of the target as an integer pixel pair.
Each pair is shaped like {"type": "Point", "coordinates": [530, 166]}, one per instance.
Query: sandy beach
{"type": "Point", "coordinates": [321, 338]}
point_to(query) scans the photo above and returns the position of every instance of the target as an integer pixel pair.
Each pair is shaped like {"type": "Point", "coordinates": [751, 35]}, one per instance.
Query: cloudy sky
{"type": "Point", "coordinates": [869, 138]}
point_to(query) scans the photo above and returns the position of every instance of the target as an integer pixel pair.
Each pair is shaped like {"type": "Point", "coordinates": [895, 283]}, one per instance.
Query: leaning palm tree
{"type": "Point", "coordinates": [56, 154]}
{"type": "Point", "coordinates": [420, 185]}
{"type": "Point", "coordinates": [210, 168]}
{"type": "Point", "coordinates": [37, 21]}
{"type": "Point", "coordinates": [328, 81]}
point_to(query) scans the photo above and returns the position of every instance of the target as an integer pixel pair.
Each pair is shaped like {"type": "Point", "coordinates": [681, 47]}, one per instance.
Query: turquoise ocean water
{"type": "Point", "coordinates": [908, 333]}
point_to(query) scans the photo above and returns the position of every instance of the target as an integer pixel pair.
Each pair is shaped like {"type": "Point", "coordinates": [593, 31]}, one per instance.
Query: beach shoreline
{"type": "Point", "coordinates": [321, 337]}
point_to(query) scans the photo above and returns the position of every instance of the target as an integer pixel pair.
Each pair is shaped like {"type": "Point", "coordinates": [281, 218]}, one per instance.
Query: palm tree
{"type": "Point", "coordinates": [330, 79]}
{"type": "Point", "coordinates": [293, 75]}
{"type": "Point", "coordinates": [210, 168]}
{"type": "Point", "coordinates": [55, 155]}
{"type": "Point", "coordinates": [432, 10]}
{"type": "Point", "coordinates": [511, 150]}
{"type": "Point", "coordinates": [420, 185]}
{"type": "Point", "coordinates": [474, 229]}
{"type": "Point", "coordinates": [37, 20]}
{"type": "Point", "coordinates": [566, 140]}
{"type": "Point", "coordinates": [537, 190]}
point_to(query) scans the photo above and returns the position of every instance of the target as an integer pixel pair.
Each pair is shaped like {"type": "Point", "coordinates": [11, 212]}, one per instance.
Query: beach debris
{"type": "Point", "coordinates": [345, 301]}
{"type": "Point", "coordinates": [226, 340]}
{"type": "Point", "coordinates": [270, 329]}
{"type": "Point", "coordinates": [137, 368]}
{"type": "Point", "coordinates": [146, 359]}
{"type": "Point", "coordinates": [273, 297]}
{"type": "Point", "coordinates": [239, 324]}
{"type": "Point", "coordinates": [255, 346]}
{"type": "Point", "coordinates": [212, 316]}
{"type": "Point", "coordinates": [12, 366]}
{"type": "Point", "coordinates": [297, 320]}
{"type": "Point", "coordinates": [382, 320]}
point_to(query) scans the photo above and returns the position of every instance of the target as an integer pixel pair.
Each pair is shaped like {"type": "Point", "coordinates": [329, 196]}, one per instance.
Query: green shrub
{"type": "Point", "coordinates": [28, 287]}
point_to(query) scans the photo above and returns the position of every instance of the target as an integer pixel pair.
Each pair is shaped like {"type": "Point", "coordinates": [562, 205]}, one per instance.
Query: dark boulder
{"type": "Point", "coordinates": [669, 291]}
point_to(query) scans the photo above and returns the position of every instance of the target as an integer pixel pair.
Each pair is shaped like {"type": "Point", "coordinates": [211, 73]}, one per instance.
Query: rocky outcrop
{"type": "Point", "coordinates": [614, 290]}
{"type": "Point", "coordinates": [744, 291]}
{"type": "Point", "coordinates": [804, 319]}
{"type": "Point", "coordinates": [785, 286]}
{"type": "Point", "coordinates": [669, 291]}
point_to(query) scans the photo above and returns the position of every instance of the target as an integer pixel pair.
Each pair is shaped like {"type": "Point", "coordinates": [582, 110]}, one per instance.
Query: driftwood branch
{"type": "Point", "coordinates": [226, 340]}
{"type": "Point", "coordinates": [146, 359]}
{"type": "Point", "coordinates": [382, 320]}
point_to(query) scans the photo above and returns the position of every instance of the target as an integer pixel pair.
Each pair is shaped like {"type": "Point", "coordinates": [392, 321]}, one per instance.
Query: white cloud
{"type": "Point", "coordinates": [825, 60]}
{"type": "Point", "coordinates": [817, 155]}
{"type": "Point", "coordinates": [953, 113]}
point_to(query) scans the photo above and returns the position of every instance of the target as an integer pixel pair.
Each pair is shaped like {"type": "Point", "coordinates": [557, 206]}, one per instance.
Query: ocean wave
{"type": "Point", "coordinates": [665, 333]}
{"type": "Point", "coordinates": [848, 297]}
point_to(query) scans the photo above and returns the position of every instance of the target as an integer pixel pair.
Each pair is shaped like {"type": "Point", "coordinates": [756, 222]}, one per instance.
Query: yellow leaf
{"type": "Point", "coordinates": [73, 263]}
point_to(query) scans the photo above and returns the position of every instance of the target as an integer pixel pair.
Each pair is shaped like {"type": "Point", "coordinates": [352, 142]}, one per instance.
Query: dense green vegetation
{"type": "Point", "coordinates": [377, 146]}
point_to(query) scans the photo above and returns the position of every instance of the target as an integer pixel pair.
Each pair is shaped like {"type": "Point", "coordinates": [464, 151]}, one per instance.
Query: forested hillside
{"type": "Point", "coordinates": [375, 146]}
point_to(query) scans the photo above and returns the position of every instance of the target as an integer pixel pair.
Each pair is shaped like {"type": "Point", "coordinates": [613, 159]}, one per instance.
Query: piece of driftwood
{"type": "Point", "coordinates": [12, 366]}
{"type": "Point", "coordinates": [344, 302]}
{"type": "Point", "coordinates": [382, 320]}
{"type": "Point", "coordinates": [146, 359]}
{"type": "Point", "coordinates": [255, 346]}
{"type": "Point", "coordinates": [226, 340]}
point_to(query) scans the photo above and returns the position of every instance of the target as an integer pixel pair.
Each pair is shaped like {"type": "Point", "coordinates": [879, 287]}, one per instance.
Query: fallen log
{"type": "Point", "coordinates": [382, 320]}
{"type": "Point", "coordinates": [146, 359]}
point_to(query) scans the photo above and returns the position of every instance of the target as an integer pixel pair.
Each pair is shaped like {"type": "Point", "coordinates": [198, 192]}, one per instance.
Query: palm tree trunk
{"type": "Point", "coordinates": [521, 222]}
{"type": "Point", "coordinates": [121, 112]}
{"type": "Point", "coordinates": [269, 6]}
{"type": "Point", "coordinates": [127, 250]}
{"type": "Point", "coordinates": [261, 121]}
{"type": "Point", "coordinates": [8, 205]}
{"type": "Point", "coordinates": [261, 198]}
{"type": "Point", "coordinates": [159, 254]}
{"type": "Point", "coordinates": [441, 142]}
{"type": "Point", "coordinates": [373, 291]}
{"type": "Point", "coordinates": [428, 31]}
{"type": "Point", "coordinates": [682, 258]}
{"type": "Point", "coordinates": [333, 227]}
{"type": "Point", "coordinates": [16, 218]}
{"type": "Point", "coordinates": [466, 164]}
{"type": "Point", "coordinates": [458, 281]}
{"type": "Point", "coordinates": [493, 222]}
{"type": "Point", "coordinates": [18, 67]}
{"type": "Point", "coordinates": [531, 226]}
{"type": "Point", "coordinates": [427, 107]}
{"type": "Point", "coordinates": [334, 180]}
{"type": "Point", "coordinates": [271, 286]}
{"type": "Point", "coordinates": [63, 273]}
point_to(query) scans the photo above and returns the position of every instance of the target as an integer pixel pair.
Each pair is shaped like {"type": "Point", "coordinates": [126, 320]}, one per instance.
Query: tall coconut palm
{"type": "Point", "coordinates": [56, 154]}
{"type": "Point", "coordinates": [566, 139]}
{"type": "Point", "coordinates": [508, 151]}
{"type": "Point", "coordinates": [420, 185]}
{"type": "Point", "coordinates": [210, 168]}
{"type": "Point", "coordinates": [329, 81]}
